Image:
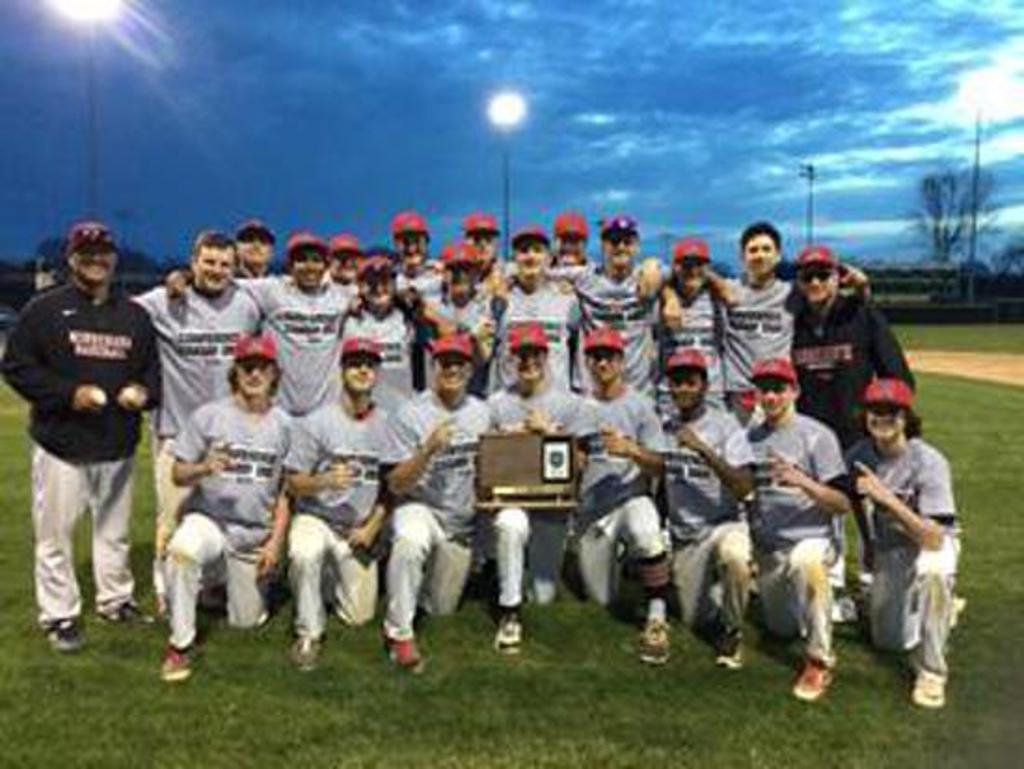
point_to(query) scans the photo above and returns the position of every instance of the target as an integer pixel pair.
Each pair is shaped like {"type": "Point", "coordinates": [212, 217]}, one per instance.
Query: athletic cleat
{"type": "Point", "coordinates": [126, 614]}
{"type": "Point", "coordinates": [305, 653]}
{"type": "Point", "coordinates": [844, 609]}
{"type": "Point", "coordinates": [728, 650]}
{"type": "Point", "coordinates": [929, 691]}
{"type": "Point", "coordinates": [509, 638]}
{"type": "Point", "coordinates": [403, 652]}
{"type": "Point", "coordinates": [65, 636]}
{"type": "Point", "coordinates": [654, 642]}
{"type": "Point", "coordinates": [177, 665]}
{"type": "Point", "coordinates": [813, 681]}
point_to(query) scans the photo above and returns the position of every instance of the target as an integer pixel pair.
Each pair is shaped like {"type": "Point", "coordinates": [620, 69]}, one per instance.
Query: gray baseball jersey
{"type": "Point", "coordinates": [306, 327]}
{"type": "Point", "coordinates": [329, 436]}
{"type": "Point", "coordinates": [568, 411]}
{"type": "Point", "coordinates": [428, 283]}
{"type": "Point", "coordinates": [701, 329]}
{"type": "Point", "coordinates": [919, 476]}
{"type": "Point", "coordinates": [241, 499]}
{"type": "Point", "coordinates": [607, 480]}
{"type": "Point", "coordinates": [557, 311]}
{"type": "Point", "coordinates": [448, 483]}
{"type": "Point", "coordinates": [758, 326]}
{"type": "Point", "coordinates": [784, 515]}
{"type": "Point", "coordinates": [467, 318]}
{"type": "Point", "coordinates": [697, 500]}
{"type": "Point", "coordinates": [395, 337]}
{"type": "Point", "coordinates": [196, 336]}
{"type": "Point", "coordinates": [605, 302]}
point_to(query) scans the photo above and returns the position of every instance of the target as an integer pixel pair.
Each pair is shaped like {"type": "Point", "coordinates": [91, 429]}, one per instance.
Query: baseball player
{"type": "Point", "coordinates": [906, 484]}
{"type": "Point", "coordinates": [533, 406]}
{"type": "Point", "coordinates": [800, 484]}
{"type": "Point", "coordinates": [235, 517]}
{"type": "Point", "coordinates": [708, 465]}
{"type": "Point", "coordinates": [571, 233]}
{"type": "Point", "coordinates": [255, 249]}
{"type": "Point", "coordinates": [410, 236]}
{"type": "Point", "coordinates": [345, 253]}
{"type": "Point", "coordinates": [337, 457]}
{"type": "Point", "coordinates": [85, 358]}
{"type": "Point", "coordinates": [481, 231]}
{"type": "Point", "coordinates": [615, 505]}
{"type": "Point", "coordinates": [437, 433]}
{"type": "Point", "coordinates": [196, 333]}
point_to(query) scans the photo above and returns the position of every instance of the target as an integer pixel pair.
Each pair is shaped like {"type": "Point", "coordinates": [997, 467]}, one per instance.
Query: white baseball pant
{"type": "Point", "coordinates": [196, 545]}
{"type": "Point", "coordinates": [420, 547]}
{"type": "Point", "coordinates": [169, 498]}
{"type": "Point", "coordinates": [322, 564]}
{"type": "Point", "coordinates": [60, 491]}
{"type": "Point", "coordinates": [534, 538]}
{"type": "Point", "coordinates": [712, 576]}
{"type": "Point", "coordinates": [636, 524]}
{"type": "Point", "coordinates": [796, 596]}
{"type": "Point", "coordinates": [912, 603]}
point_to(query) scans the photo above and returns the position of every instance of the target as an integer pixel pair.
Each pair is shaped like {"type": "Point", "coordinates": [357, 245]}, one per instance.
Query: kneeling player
{"type": "Point", "coordinates": [707, 469]}
{"type": "Point", "coordinates": [907, 483]}
{"type": "Point", "coordinates": [437, 435]}
{"type": "Point", "coordinates": [235, 517]}
{"type": "Point", "coordinates": [334, 469]}
{"type": "Point", "coordinates": [801, 482]}
{"type": "Point", "coordinates": [615, 504]}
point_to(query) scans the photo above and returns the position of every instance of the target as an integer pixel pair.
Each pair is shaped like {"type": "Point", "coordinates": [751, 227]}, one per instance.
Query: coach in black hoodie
{"type": "Point", "coordinates": [84, 356]}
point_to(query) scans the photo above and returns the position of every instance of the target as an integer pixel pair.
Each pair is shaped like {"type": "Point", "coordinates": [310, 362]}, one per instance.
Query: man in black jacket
{"type": "Point", "coordinates": [84, 356]}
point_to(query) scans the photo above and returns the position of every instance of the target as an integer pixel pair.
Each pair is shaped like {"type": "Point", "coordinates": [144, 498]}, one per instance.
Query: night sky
{"type": "Point", "coordinates": [694, 117]}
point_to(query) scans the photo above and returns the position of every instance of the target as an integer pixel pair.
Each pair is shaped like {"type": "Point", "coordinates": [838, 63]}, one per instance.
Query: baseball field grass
{"type": "Point", "coordinates": [1003, 338]}
{"type": "Point", "coordinates": [577, 696]}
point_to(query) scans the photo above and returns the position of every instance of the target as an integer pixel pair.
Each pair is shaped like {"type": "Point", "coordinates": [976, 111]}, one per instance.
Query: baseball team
{"type": "Point", "coordinates": [323, 426]}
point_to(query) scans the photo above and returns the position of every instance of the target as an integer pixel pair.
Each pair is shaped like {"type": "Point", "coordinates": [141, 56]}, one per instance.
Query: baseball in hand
{"type": "Point", "coordinates": [132, 397]}
{"type": "Point", "coordinates": [98, 397]}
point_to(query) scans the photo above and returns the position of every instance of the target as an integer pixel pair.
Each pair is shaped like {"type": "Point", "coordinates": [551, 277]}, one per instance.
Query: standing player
{"type": "Point", "coordinates": [571, 233]}
{"type": "Point", "coordinates": [230, 455]}
{"type": "Point", "coordinates": [801, 483]}
{"type": "Point", "coordinates": [85, 358]}
{"type": "Point", "coordinates": [416, 278]}
{"type": "Point", "coordinates": [906, 483]}
{"type": "Point", "coordinates": [533, 406]}
{"type": "Point", "coordinates": [615, 504]}
{"type": "Point", "coordinates": [481, 231]}
{"type": "Point", "coordinates": [345, 254]}
{"type": "Point", "coordinates": [255, 249]}
{"type": "Point", "coordinates": [337, 457]}
{"type": "Point", "coordinates": [438, 433]}
{"type": "Point", "coordinates": [707, 469]}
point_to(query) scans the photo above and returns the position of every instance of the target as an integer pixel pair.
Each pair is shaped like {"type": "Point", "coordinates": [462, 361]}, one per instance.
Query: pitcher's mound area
{"type": "Point", "coordinates": [1004, 368]}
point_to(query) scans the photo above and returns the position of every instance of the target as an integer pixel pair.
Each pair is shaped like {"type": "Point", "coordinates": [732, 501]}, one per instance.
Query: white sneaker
{"type": "Point", "coordinates": [844, 610]}
{"type": "Point", "coordinates": [929, 690]}
{"type": "Point", "coordinates": [509, 638]}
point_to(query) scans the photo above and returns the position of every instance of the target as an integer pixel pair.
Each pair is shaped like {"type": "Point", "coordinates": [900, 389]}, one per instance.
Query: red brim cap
{"type": "Point", "coordinates": [344, 244]}
{"type": "Point", "coordinates": [408, 222]}
{"type": "Point", "coordinates": [480, 222]}
{"type": "Point", "coordinates": [89, 233]}
{"type": "Point", "coordinates": [774, 368]}
{"type": "Point", "coordinates": [817, 256]}
{"type": "Point", "coordinates": [687, 357]}
{"type": "Point", "coordinates": [306, 240]}
{"type": "Point", "coordinates": [458, 344]}
{"type": "Point", "coordinates": [571, 223]}
{"type": "Point", "coordinates": [375, 265]}
{"type": "Point", "coordinates": [893, 392]}
{"type": "Point", "coordinates": [528, 335]}
{"type": "Point", "coordinates": [357, 345]}
{"type": "Point", "coordinates": [604, 339]}
{"type": "Point", "coordinates": [459, 255]}
{"type": "Point", "coordinates": [255, 347]}
{"type": "Point", "coordinates": [255, 227]}
{"type": "Point", "coordinates": [692, 248]}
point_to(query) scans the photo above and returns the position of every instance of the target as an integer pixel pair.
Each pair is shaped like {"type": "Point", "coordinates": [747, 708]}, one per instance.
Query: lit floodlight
{"type": "Point", "coordinates": [996, 93]}
{"type": "Point", "coordinates": [506, 110]}
{"type": "Point", "coordinates": [90, 11]}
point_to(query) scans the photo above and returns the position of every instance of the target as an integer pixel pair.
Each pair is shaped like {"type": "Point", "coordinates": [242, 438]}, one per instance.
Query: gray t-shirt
{"type": "Point", "coordinates": [467, 319]}
{"type": "Point", "coordinates": [568, 411]}
{"type": "Point", "coordinates": [196, 336]}
{"type": "Point", "coordinates": [920, 476]}
{"type": "Point", "coordinates": [328, 436]}
{"type": "Point", "coordinates": [428, 283]}
{"type": "Point", "coordinates": [759, 326]}
{"type": "Point", "coordinates": [702, 330]}
{"type": "Point", "coordinates": [697, 499]}
{"type": "Point", "coordinates": [609, 481]}
{"type": "Point", "coordinates": [557, 311]}
{"type": "Point", "coordinates": [395, 337]}
{"type": "Point", "coordinates": [448, 483]}
{"type": "Point", "coordinates": [241, 499]}
{"type": "Point", "coordinates": [784, 515]}
{"type": "Point", "coordinates": [306, 327]}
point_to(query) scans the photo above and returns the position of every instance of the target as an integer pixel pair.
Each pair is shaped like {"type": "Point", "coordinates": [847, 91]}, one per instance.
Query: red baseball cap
{"type": "Point", "coordinates": [408, 222]}
{"type": "Point", "coordinates": [603, 338]}
{"type": "Point", "coordinates": [255, 227]}
{"type": "Point", "coordinates": [373, 265]}
{"type": "Point", "coordinates": [255, 347]}
{"type": "Point", "coordinates": [459, 254]}
{"type": "Point", "coordinates": [571, 223]}
{"type": "Point", "coordinates": [480, 221]}
{"type": "Point", "coordinates": [530, 232]}
{"type": "Point", "coordinates": [88, 233]}
{"type": "Point", "coordinates": [817, 256]}
{"type": "Point", "coordinates": [458, 343]}
{"type": "Point", "coordinates": [360, 345]}
{"type": "Point", "coordinates": [687, 357]}
{"type": "Point", "coordinates": [527, 335]}
{"type": "Point", "coordinates": [344, 243]}
{"type": "Point", "coordinates": [891, 391]}
{"type": "Point", "coordinates": [774, 368]}
{"type": "Point", "coordinates": [692, 247]}
{"type": "Point", "coordinates": [619, 223]}
{"type": "Point", "coordinates": [303, 240]}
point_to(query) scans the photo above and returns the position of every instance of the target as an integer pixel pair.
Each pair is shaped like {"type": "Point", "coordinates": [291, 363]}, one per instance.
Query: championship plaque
{"type": "Point", "coordinates": [527, 470]}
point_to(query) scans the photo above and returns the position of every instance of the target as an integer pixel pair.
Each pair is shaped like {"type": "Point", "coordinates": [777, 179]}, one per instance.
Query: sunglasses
{"type": "Point", "coordinates": [810, 276]}
{"type": "Point", "coordinates": [603, 355]}
{"type": "Point", "coordinates": [682, 376]}
{"type": "Point", "coordinates": [771, 385]}
{"type": "Point", "coordinates": [621, 238]}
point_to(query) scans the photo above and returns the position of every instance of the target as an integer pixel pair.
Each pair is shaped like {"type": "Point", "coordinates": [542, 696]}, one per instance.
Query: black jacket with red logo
{"type": "Point", "coordinates": [63, 340]}
{"type": "Point", "coordinates": [836, 357]}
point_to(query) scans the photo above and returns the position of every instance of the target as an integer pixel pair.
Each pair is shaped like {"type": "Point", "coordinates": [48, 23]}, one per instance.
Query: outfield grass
{"type": "Point", "coordinates": [577, 695]}
{"type": "Point", "coordinates": [1006, 337]}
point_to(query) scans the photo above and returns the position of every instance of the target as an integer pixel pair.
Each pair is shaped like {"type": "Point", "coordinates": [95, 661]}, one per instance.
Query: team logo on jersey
{"type": "Point", "coordinates": [213, 345]}
{"type": "Point", "coordinates": [91, 344]}
{"type": "Point", "coordinates": [757, 322]}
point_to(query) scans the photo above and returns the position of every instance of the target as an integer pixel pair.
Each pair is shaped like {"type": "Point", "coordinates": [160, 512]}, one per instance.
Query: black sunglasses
{"type": "Point", "coordinates": [809, 276]}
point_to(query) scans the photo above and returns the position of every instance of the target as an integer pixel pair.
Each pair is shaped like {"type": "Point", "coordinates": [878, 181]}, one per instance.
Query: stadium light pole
{"type": "Point", "coordinates": [808, 172]}
{"type": "Point", "coordinates": [506, 111]}
{"type": "Point", "coordinates": [90, 14]}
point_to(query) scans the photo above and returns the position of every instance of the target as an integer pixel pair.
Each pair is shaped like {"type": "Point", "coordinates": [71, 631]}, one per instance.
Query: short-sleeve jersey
{"type": "Point", "coordinates": [395, 336]}
{"type": "Point", "coordinates": [557, 311]}
{"type": "Point", "coordinates": [701, 329]}
{"type": "Point", "coordinates": [568, 411]}
{"type": "Point", "coordinates": [758, 326]}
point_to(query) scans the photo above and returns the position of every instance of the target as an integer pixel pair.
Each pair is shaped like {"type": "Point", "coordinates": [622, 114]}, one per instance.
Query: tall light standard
{"type": "Point", "coordinates": [808, 172]}
{"type": "Point", "coordinates": [90, 14]}
{"type": "Point", "coordinates": [506, 110]}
